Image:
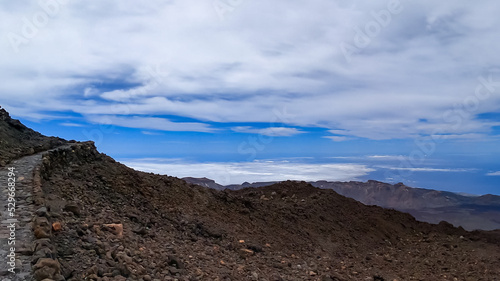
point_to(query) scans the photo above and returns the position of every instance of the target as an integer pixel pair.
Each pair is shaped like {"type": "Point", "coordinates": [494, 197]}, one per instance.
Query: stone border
{"type": "Point", "coordinates": [46, 266]}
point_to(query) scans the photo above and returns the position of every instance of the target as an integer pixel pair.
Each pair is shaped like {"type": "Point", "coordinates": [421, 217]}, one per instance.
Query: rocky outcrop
{"type": "Point", "coordinates": [17, 140]}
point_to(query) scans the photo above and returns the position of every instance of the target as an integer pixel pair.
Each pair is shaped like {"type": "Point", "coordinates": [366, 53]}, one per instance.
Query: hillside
{"type": "Point", "coordinates": [469, 212]}
{"type": "Point", "coordinates": [17, 140]}
{"type": "Point", "coordinates": [287, 231]}
{"type": "Point", "coordinates": [401, 196]}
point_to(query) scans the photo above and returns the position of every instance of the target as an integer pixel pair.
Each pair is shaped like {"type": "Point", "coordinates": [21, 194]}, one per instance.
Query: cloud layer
{"type": "Point", "coordinates": [271, 131]}
{"type": "Point", "coordinates": [257, 171]}
{"type": "Point", "coordinates": [415, 74]}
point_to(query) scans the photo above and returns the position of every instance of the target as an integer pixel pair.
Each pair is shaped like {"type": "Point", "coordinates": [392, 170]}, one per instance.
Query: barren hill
{"type": "Point", "coordinates": [469, 212]}
{"type": "Point", "coordinates": [286, 231]}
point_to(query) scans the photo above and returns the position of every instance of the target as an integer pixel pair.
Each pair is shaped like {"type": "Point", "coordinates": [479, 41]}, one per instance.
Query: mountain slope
{"type": "Point", "coordinates": [17, 140]}
{"type": "Point", "coordinates": [287, 231]}
{"type": "Point", "coordinates": [480, 212]}
{"type": "Point", "coordinates": [469, 212]}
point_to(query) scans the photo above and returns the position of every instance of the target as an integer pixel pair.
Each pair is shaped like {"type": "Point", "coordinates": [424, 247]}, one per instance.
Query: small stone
{"type": "Point", "coordinates": [24, 251]}
{"type": "Point", "coordinates": [245, 253]}
{"type": "Point", "coordinates": [41, 212]}
{"type": "Point", "coordinates": [174, 261]}
{"type": "Point", "coordinates": [19, 264]}
{"type": "Point", "coordinates": [57, 226]}
{"type": "Point", "coordinates": [40, 221]}
{"type": "Point", "coordinates": [46, 269]}
{"type": "Point", "coordinates": [44, 273]}
{"type": "Point", "coordinates": [73, 208]}
{"type": "Point", "coordinates": [141, 230]}
{"type": "Point", "coordinates": [40, 233]}
{"type": "Point", "coordinates": [255, 248]}
{"type": "Point", "coordinates": [174, 270]}
{"type": "Point", "coordinates": [116, 229]}
{"type": "Point", "coordinates": [47, 263]}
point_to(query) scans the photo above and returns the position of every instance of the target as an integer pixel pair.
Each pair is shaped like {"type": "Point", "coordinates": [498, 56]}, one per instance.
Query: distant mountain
{"type": "Point", "coordinates": [204, 182]}
{"type": "Point", "coordinates": [247, 184]}
{"type": "Point", "coordinates": [469, 212]}
{"type": "Point", "coordinates": [212, 184]}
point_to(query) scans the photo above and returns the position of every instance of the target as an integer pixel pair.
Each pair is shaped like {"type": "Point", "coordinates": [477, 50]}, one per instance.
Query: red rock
{"type": "Point", "coordinates": [56, 226]}
{"type": "Point", "coordinates": [116, 229]}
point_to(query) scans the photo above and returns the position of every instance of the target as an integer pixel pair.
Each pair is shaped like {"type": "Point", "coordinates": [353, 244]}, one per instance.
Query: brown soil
{"type": "Point", "coordinates": [287, 231]}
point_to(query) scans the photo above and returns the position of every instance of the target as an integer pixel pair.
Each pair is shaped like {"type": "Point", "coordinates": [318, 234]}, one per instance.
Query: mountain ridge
{"type": "Point", "coordinates": [470, 212]}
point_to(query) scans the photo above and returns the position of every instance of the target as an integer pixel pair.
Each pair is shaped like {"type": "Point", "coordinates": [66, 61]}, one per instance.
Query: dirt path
{"type": "Point", "coordinates": [21, 218]}
{"type": "Point", "coordinates": [15, 227]}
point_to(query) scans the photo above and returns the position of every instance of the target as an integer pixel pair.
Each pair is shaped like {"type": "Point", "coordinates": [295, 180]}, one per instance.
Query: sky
{"type": "Point", "coordinates": [237, 90]}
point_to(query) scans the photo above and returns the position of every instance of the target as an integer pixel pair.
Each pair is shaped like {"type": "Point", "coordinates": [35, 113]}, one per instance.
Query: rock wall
{"type": "Point", "coordinates": [74, 154]}
{"type": "Point", "coordinates": [46, 265]}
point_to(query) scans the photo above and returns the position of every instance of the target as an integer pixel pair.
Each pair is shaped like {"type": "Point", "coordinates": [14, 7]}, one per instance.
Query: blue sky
{"type": "Point", "coordinates": [251, 90]}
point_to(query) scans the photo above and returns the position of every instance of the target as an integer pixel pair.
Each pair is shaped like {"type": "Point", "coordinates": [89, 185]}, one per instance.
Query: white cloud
{"type": "Point", "coordinates": [337, 138]}
{"type": "Point", "coordinates": [271, 131]}
{"type": "Point", "coordinates": [68, 124]}
{"type": "Point", "coordinates": [151, 133]}
{"type": "Point", "coordinates": [385, 157]}
{"type": "Point", "coordinates": [93, 58]}
{"type": "Point", "coordinates": [461, 136]}
{"type": "Point", "coordinates": [150, 123]}
{"type": "Point", "coordinates": [494, 174]}
{"type": "Point", "coordinates": [425, 169]}
{"type": "Point", "coordinates": [345, 157]}
{"type": "Point", "coordinates": [338, 132]}
{"type": "Point", "coordinates": [258, 171]}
